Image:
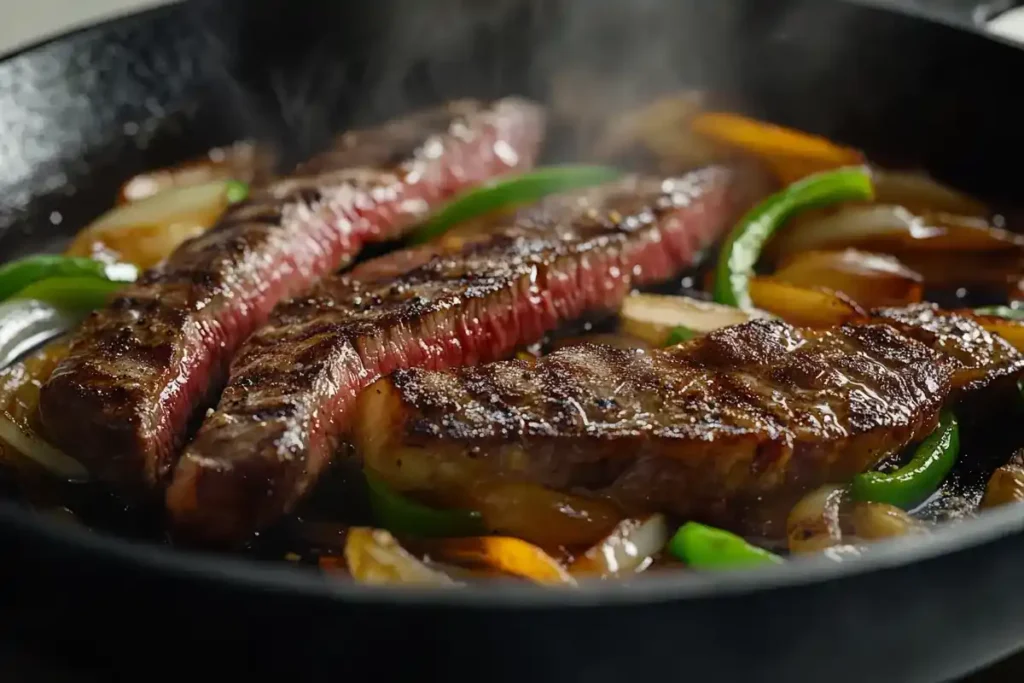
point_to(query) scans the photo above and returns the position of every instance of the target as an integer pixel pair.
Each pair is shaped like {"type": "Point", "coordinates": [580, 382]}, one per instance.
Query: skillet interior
{"type": "Point", "coordinates": [90, 109]}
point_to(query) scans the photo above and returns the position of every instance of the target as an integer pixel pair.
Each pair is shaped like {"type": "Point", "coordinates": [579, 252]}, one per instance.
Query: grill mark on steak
{"type": "Point", "coordinates": [576, 254]}
{"type": "Point", "coordinates": [755, 412]}
{"type": "Point", "coordinates": [141, 370]}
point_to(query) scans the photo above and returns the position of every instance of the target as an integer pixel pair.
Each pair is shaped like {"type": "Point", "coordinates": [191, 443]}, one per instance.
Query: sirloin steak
{"type": "Point", "coordinates": [140, 370]}
{"type": "Point", "coordinates": [288, 402]}
{"type": "Point", "coordinates": [756, 412]}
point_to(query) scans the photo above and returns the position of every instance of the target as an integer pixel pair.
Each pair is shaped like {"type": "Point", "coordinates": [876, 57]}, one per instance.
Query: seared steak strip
{"type": "Point", "coordinates": [292, 387]}
{"type": "Point", "coordinates": [751, 413]}
{"type": "Point", "coordinates": [139, 371]}
{"type": "Point", "coordinates": [980, 359]}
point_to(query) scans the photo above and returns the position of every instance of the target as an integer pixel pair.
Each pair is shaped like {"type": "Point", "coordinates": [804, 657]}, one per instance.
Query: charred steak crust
{"type": "Point", "coordinates": [700, 430]}
{"type": "Point", "coordinates": [140, 371]}
{"type": "Point", "coordinates": [292, 388]}
{"type": "Point", "coordinates": [980, 359]}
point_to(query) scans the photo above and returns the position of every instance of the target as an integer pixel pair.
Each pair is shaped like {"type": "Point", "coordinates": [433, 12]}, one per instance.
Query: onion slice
{"type": "Point", "coordinates": [145, 232]}
{"type": "Point", "coordinates": [877, 521]}
{"type": "Point", "coordinates": [890, 228]}
{"type": "Point", "coordinates": [653, 317]}
{"type": "Point", "coordinates": [19, 410]}
{"type": "Point", "coordinates": [628, 549]}
{"type": "Point", "coordinates": [919, 192]}
{"type": "Point", "coordinates": [26, 324]}
{"type": "Point", "coordinates": [374, 557]}
{"type": "Point", "coordinates": [872, 280]}
{"type": "Point", "coordinates": [803, 306]}
{"type": "Point", "coordinates": [813, 524]}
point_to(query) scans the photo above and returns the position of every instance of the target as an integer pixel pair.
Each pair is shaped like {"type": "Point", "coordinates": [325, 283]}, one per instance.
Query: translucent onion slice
{"type": "Point", "coordinates": [872, 280]}
{"type": "Point", "coordinates": [25, 324]}
{"type": "Point", "coordinates": [889, 228]}
{"type": "Point", "coordinates": [242, 161]}
{"type": "Point", "coordinates": [629, 548]}
{"type": "Point", "coordinates": [1005, 486]}
{"type": "Point", "coordinates": [653, 317]}
{"type": "Point", "coordinates": [373, 556]}
{"type": "Point", "coordinates": [20, 430]}
{"type": "Point", "coordinates": [539, 515]}
{"type": "Point", "coordinates": [920, 193]}
{"type": "Point", "coordinates": [802, 306]}
{"type": "Point", "coordinates": [813, 525]}
{"type": "Point", "coordinates": [145, 232]}
{"type": "Point", "coordinates": [877, 521]}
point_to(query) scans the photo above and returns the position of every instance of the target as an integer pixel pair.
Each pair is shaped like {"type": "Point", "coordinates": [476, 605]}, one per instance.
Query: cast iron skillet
{"type": "Point", "coordinates": [82, 112]}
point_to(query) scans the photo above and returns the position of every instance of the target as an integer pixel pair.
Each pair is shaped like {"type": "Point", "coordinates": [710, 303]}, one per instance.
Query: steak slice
{"type": "Point", "coordinates": [142, 369]}
{"type": "Point", "coordinates": [292, 388]}
{"type": "Point", "coordinates": [981, 360]}
{"type": "Point", "coordinates": [749, 414]}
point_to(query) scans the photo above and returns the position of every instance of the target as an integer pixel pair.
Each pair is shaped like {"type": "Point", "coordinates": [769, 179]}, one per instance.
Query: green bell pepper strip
{"type": "Point", "coordinates": [1001, 312]}
{"type": "Point", "coordinates": [511, 191]}
{"type": "Point", "coordinates": [705, 547]}
{"type": "Point", "coordinates": [743, 247]}
{"type": "Point", "coordinates": [17, 275]}
{"type": "Point", "coordinates": [679, 334]}
{"type": "Point", "coordinates": [919, 478]}
{"type": "Point", "coordinates": [401, 515]}
{"type": "Point", "coordinates": [71, 293]}
{"type": "Point", "coordinates": [236, 191]}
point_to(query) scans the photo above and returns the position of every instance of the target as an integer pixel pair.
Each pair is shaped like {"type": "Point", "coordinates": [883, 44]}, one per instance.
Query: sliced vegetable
{"type": "Point", "coordinates": [146, 231]}
{"type": "Point", "coordinates": [919, 193]}
{"type": "Point", "coordinates": [872, 280]}
{"type": "Point", "coordinates": [877, 521]}
{"type": "Point", "coordinates": [19, 414]}
{"type": "Point", "coordinates": [26, 324]}
{"type": "Point", "coordinates": [705, 547]}
{"type": "Point", "coordinates": [16, 275]}
{"type": "Point", "coordinates": [889, 228]}
{"type": "Point", "coordinates": [509, 555]}
{"type": "Point", "coordinates": [920, 478]}
{"type": "Point", "coordinates": [1006, 485]}
{"type": "Point", "coordinates": [243, 161]}
{"type": "Point", "coordinates": [656, 317]}
{"type": "Point", "coordinates": [791, 154]}
{"type": "Point", "coordinates": [680, 334]}
{"type": "Point", "coordinates": [374, 556]}
{"type": "Point", "coordinates": [802, 306]}
{"type": "Point", "coordinates": [813, 524]}
{"type": "Point", "coordinates": [80, 294]}
{"type": "Point", "coordinates": [511, 191]}
{"type": "Point", "coordinates": [542, 516]}
{"type": "Point", "coordinates": [627, 549]}
{"type": "Point", "coordinates": [743, 247]}
{"type": "Point", "coordinates": [402, 515]}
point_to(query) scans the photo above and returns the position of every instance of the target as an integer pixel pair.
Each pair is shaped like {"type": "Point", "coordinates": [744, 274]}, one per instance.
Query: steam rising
{"type": "Point", "coordinates": [302, 71]}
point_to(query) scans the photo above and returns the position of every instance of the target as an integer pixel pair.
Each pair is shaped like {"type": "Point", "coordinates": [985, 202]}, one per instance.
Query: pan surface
{"type": "Point", "coordinates": [83, 112]}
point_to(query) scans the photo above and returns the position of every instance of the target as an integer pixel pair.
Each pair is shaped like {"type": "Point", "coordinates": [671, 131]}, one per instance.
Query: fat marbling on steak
{"type": "Point", "coordinates": [288, 402]}
{"type": "Point", "coordinates": [143, 368]}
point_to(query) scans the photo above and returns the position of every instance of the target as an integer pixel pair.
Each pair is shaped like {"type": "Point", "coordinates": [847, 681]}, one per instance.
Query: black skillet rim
{"type": "Point", "coordinates": [956, 537]}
